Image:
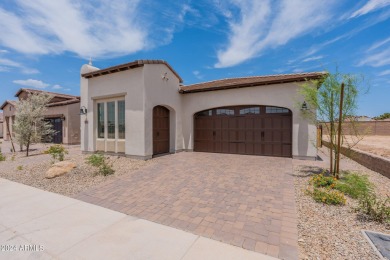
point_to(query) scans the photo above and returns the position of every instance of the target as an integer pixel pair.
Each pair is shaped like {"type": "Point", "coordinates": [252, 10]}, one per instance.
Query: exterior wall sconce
{"type": "Point", "coordinates": [164, 76]}
{"type": "Point", "coordinates": [304, 106]}
{"type": "Point", "coordinates": [83, 110]}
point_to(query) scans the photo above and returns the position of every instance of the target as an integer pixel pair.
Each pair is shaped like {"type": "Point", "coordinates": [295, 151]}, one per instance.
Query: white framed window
{"type": "Point", "coordinates": [110, 125]}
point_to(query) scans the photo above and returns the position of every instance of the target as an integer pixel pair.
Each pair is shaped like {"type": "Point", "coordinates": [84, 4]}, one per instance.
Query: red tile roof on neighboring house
{"type": "Point", "coordinates": [60, 95]}
{"type": "Point", "coordinates": [63, 103]}
{"type": "Point", "coordinates": [12, 102]}
{"type": "Point", "coordinates": [127, 66]}
{"type": "Point", "coordinates": [250, 81]}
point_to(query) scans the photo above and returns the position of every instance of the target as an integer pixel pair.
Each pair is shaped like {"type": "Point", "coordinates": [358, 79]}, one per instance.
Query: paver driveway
{"type": "Point", "coordinates": [247, 201]}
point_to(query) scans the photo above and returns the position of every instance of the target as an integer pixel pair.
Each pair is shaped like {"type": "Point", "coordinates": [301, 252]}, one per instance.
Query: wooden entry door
{"type": "Point", "coordinates": [160, 130]}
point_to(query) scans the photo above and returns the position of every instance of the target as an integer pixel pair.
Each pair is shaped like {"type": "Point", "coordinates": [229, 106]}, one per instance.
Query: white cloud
{"type": "Point", "coordinates": [377, 55]}
{"type": "Point", "coordinates": [197, 74]}
{"type": "Point", "coordinates": [379, 44]}
{"type": "Point", "coordinates": [56, 87]}
{"type": "Point", "coordinates": [264, 25]}
{"type": "Point", "coordinates": [4, 69]}
{"type": "Point", "coordinates": [313, 58]}
{"type": "Point", "coordinates": [378, 59]}
{"type": "Point", "coordinates": [30, 71]}
{"type": "Point", "coordinates": [67, 89]}
{"type": "Point", "coordinates": [86, 28]}
{"type": "Point", "coordinates": [3, 51]}
{"type": "Point", "coordinates": [384, 73]}
{"type": "Point", "coordinates": [370, 6]}
{"type": "Point", "coordinates": [7, 63]}
{"type": "Point", "coordinates": [31, 83]}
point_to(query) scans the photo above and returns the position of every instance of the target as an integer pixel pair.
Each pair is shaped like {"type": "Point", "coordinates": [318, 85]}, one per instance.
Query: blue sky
{"type": "Point", "coordinates": [44, 43]}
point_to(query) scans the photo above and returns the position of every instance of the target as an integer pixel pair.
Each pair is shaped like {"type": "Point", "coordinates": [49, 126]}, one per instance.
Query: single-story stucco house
{"type": "Point", "coordinates": [141, 109]}
{"type": "Point", "coordinates": [62, 112]}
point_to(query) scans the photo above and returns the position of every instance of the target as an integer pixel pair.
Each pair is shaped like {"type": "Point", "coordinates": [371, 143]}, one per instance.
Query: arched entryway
{"type": "Point", "coordinates": [249, 129]}
{"type": "Point", "coordinates": [160, 130]}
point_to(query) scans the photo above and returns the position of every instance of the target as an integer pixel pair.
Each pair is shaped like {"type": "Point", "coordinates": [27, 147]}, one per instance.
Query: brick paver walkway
{"type": "Point", "coordinates": [247, 201]}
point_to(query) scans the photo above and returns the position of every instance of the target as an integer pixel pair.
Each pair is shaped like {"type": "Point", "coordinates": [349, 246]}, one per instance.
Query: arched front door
{"type": "Point", "coordinates": [160, 130]}
{"type": "Point", "coordinates": [250, 129]}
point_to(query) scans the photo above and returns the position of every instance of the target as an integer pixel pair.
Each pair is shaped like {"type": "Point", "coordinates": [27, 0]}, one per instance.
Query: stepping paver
{"type": "Point", "coordinates": [246, 201]}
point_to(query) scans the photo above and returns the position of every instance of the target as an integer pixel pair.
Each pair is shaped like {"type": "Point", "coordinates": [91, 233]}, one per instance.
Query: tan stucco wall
{"type": "Point", "coordinates": [144, 88]}
{"type": "Point", "coordinates": [161, 91]}
{"type": "Point", "coordinates": [73, 123]}
{"type": "Point", "coordinates": [128, 84]}
{"type": "Point", "coordinates": [7, 113]}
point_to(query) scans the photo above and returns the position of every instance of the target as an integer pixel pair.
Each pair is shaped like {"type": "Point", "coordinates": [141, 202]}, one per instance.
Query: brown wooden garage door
{"type": "Point", "coordinates": [254, 130]}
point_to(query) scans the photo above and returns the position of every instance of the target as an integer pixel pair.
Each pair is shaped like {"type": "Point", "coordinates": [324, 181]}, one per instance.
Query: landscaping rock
{"type": "Point", "coordinates": [59, 169]}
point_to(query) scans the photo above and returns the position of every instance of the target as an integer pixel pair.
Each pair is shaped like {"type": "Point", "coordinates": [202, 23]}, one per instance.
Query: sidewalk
{"type": "Point", "coordinates": [42, 225]}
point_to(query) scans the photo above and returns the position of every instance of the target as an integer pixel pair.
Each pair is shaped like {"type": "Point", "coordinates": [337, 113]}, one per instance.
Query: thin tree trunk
{"type": "Point", "coordinates": [27, 148]}
{"type": "Point", "coordinates": [10, 135]}
{"type": "Point", "coordinates": [331, 134]}
{"type": "Point", "coordinates": [339, 131]}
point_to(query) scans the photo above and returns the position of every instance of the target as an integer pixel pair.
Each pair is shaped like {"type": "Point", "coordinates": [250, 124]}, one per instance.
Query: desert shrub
{"type": "Point", "coordinates": [327, 196]}
{"type": "Point", "coordinates": [99, 161]}
{"type": "Point", "coordinates": [106, 169]}
{"type": "Point", "coordinates": [19, 168]}
{"type": "Point", "coordinates": [323, 181]}
{"type": "Point", "coordinates": [354, 185]}
{"type": "Point", "coordinates": [2, 157]}
{"type": "Point", "coordinates": [57, 151]}
{"type": "Point", "coordinates": [375, 208]}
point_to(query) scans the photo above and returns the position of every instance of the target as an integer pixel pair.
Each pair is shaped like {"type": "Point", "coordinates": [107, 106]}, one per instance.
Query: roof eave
{"type": "Point", "coordinates": [252, 84]}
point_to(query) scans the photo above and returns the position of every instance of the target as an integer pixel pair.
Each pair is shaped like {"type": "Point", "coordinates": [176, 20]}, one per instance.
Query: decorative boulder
{"type": "Point", "coordinates": [59, 169]}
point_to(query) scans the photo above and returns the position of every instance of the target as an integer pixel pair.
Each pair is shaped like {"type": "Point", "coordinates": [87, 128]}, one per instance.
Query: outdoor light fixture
{"type": "Point", "coordinates": [304, 106]}
{"type": "Point", "coordinates": [83, 110]}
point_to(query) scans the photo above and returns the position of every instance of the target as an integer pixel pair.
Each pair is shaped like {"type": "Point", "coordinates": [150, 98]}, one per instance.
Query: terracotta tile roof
{"type": "Point", "coordinates": [55, 94]}
{"type": "Point", "coordinates": [63, 103]}
{"type": "Point", "coordinates": [250, 82]}
{"type": "Point", "coordinates": [12, 102]}
{"type": "Point", "coordinates": [127, 66]}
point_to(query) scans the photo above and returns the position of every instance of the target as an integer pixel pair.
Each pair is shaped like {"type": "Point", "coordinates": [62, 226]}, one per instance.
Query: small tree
{"type": "Point", "coordinates": [30, 126]}
{"type": "Point", "coordinates": [382, 117]}
{"type": "Point", "coordinates": [324, 102]}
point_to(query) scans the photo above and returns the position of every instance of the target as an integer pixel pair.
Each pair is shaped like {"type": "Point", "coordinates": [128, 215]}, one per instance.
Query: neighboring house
{"type": "Point", "coordinates": [62, 112]}
{"type": "Point", "coordinates": [1, 125]}
{"type": "Point", "coordinates": [8, 108]}
{"type": "Point", "coordinates": [358, 118]}
{"type": "Point", "coordinates": [141, 109]}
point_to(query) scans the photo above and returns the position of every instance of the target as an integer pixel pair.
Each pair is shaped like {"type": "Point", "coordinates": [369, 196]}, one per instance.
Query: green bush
{"type": "Point", "coordinates": [57, 151]}
{"type": "Point", "coordinates": [375, 208]}
{"type": "Point", "coordinates": [354, 185]}
{"type": "Point", "coordinates": [328, 196]}
{"type": "Point", "coordinates": [323, 181]}
{"type": "Point", "coordinates": [19, 168]}
{"type": "Point", "coordinates": [99, 161]}
{"type": "Point", "coordinates": [96, 159]}
{"type": "Point", "coordinates": [2, 157]}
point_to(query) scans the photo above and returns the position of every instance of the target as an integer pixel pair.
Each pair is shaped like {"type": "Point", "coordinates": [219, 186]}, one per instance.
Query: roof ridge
{"type": "Point", "coordinates": [50, 92]}
{"type": "Point", "coordinates": [261, 76]}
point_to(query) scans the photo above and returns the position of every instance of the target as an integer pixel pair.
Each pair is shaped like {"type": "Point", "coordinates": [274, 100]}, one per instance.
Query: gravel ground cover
{"type": "Point", "coordinates": [374, 144]}
{"type": "Point", "coordinates": [32, 169]}
{"type": "Point", "coordinates": [334, 232]}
